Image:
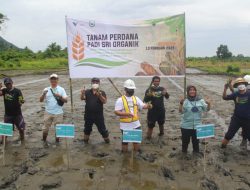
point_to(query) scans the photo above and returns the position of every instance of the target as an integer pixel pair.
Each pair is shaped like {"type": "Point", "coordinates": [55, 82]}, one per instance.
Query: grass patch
{"type": "Point", "coordinates": [35, 64]}
{"type": "Point", "coordinates": [226, 67]}
{"type": "Point", "coordinates": [209, 65]}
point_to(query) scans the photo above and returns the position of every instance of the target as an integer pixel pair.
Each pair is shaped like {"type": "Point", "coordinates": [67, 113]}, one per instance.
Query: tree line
{"type": "Point", "coordinates": [13, 56]}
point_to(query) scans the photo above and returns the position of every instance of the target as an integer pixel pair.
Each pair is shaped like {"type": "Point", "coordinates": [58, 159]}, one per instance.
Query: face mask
{"type": "Point", "coordinates": [95, 86]}
{"type": "Point", "coordinates": [130, 92]}
{"type": "Point", "coordinates": [154, 87]}
{"type": "Point", "coordinates": [241, 87]}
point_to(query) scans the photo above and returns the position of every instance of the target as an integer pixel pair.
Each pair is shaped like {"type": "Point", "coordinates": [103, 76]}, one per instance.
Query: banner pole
{"type": "Point", "coordinates": [114, 86]}
{"type": "Point", "coordinates": [71, 97]}
{"type": "Point", "coordinates": [70, 80]}
{"type": "Point", "coordinates": [185, 53]}
{"type": "Point", "coordinates": [71, 91]}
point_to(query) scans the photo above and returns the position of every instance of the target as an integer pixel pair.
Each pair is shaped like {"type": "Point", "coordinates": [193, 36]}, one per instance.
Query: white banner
{"type": "Point", "coordinates": [138, 48]}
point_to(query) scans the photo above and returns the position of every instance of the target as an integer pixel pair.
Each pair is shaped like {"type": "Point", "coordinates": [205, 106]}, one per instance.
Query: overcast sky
{"type": "Point", "coordinates": [209, 23]}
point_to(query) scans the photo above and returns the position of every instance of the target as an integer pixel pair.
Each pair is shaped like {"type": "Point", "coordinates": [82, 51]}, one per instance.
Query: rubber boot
{"type": "Point", "coordinates": [86, 139]}
{"type": "Point", "coordinates": [224, 143]}
{"type": "Point", "coordinates": [149, 133]}
{"type": "Point", "coordinates": [161, 128]}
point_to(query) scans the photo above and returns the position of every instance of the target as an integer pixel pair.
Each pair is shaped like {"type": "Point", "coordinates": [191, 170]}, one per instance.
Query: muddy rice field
{"type": "Point", "coordinates": [101, 166]}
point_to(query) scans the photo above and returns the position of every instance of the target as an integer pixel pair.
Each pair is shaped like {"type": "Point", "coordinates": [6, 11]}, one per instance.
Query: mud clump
{"type": "Point", "coordinates": [148, 157]}
{"type": "Point", "coordinates": [244, 180]}
{"type": "Point", "coordinates": [51, 183]}
{"type": "Point", "coordinates": [8, 181]}
{"type": "Point", "coordinates": [208, 184]}
{"type": "Point", "coordinates": [37, 153]}
{"type": "Point", "coordinates": [226, 172]}
{"type": "Point", "coordinates": [167, 173]}
{"type": "Point", "coordinates": [100, 154]}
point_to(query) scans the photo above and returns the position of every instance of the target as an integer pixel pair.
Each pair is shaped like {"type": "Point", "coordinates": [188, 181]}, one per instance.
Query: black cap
{"type": "Point", "coordinates": [95, 79]}
{"type": "Point", "coordinates": [8, 80]}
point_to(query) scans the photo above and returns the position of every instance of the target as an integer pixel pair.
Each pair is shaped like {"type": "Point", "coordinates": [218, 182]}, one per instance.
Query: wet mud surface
{"type": "Point", "coordinates": [97, 165]}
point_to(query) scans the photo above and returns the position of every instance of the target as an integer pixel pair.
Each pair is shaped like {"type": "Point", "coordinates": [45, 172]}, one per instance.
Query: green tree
{"type": "Point", "coordinates": [53, 50]}
{"type": "Point", "coordinates": [53, 47]}
{"type": "Point", "coordinates": [3, 18]}
{"type": "Point", "coordinates": [223, 52]}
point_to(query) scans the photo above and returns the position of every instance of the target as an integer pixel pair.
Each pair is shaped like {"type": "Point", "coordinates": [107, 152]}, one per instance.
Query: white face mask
{"type": "Point", "coordinates": [95, 86]}
{"type": "Point", "coordinates": [241, 87]}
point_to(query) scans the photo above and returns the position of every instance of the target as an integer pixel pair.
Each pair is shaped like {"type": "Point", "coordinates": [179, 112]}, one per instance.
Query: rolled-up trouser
{"type": "Point", "coordinates": [51, 119]}
{"type": "Point", "coordinates": [155, 116]}
{"type": "Point", "coordinates": [186, 135]}
{"type": "Point", "coordinates": [100, 124]}
{"type": "Point", "coordinates": [16, 120]}
{"type": "Point", "coordinates": [234, 126]}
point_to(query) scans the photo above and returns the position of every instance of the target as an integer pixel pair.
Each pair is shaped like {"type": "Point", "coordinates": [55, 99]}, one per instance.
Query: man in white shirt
{"type": "Point", "coordinates": [54, 97]}
{"type": "Point", "coordinates": [127, 107]}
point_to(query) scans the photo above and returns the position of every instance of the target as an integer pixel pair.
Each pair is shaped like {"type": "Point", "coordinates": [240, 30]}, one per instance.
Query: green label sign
{"type": "Point", "coordinates": [205, 131]}
{"type": "Point", "coordinates": [6, 129]}
{"type": "Point", "coordinates": [132, 136]}
{"type": "Point", "coordinates": [65, 130]}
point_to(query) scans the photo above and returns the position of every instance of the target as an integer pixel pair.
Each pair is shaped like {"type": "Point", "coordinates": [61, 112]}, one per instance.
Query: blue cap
{"type": "Point", "coordinates": [8, 81]}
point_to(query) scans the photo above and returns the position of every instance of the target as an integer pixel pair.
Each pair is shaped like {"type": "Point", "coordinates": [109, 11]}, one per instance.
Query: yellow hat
{"type": "Point", "coordinates": [238, 81]}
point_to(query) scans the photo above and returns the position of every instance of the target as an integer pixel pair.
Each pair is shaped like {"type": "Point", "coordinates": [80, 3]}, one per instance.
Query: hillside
{"type": "Point", "coordinates": [5, 45]}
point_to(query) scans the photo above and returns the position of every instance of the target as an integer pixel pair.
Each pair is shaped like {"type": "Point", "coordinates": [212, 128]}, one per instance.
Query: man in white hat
{"type": "Point", "coordinates": [232, 89]}
{"type": "Point", "coordinates": [127, 108]}
{"type": "Point", "coordinates": [54, 97]}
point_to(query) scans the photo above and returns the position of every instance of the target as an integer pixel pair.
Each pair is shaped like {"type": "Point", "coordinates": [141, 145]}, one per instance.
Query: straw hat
{"type": "Point", "coordinates": [238, 81]}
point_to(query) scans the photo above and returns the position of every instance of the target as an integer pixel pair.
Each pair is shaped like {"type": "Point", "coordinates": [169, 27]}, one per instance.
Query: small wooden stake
{"type": "Point", "coordinates": [67, 152]}
{"type": "Point", "coordinates": [4, 144]}
{"type": "Point", "coordinates": [132, 158]}
{"type": "Point", "coordinates": [205, 149]}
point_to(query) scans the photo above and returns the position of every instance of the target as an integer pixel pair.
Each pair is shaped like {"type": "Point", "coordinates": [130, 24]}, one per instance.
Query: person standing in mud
{"type": "Point", "coordinates": [127, 108]}
{"type": "Point", "coordinates": [191, 109]}
{"type": "Point", "coordinates": [94, 98]}
{"type": "Point", "coordinates": [13, 101]}
{"type": "Point", "coordinates": [232, 89]}
{"type": "Point", "coordinates": [54, 97]}
{"type": "Point", "coordinates": [241, 115]}
{"type": "Point", "coordinates": [155, 95]}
